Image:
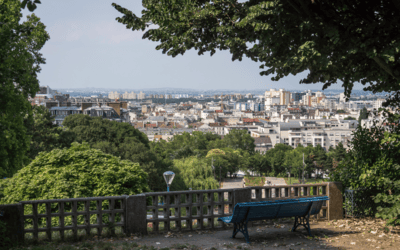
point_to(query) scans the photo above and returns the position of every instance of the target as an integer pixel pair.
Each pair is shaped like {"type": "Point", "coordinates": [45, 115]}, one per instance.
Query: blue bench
{"type": "Point", "coordinates": [301, 209]}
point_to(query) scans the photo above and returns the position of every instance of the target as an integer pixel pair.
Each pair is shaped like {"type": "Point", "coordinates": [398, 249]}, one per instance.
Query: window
{"type": "Point", "coordinates": [331, 134]}
{"type": "Point", "coordinates": [337, 134]}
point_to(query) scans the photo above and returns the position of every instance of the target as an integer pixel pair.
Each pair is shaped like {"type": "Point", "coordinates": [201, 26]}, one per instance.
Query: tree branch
{"type": "Point", "coordinates": [385, 67]}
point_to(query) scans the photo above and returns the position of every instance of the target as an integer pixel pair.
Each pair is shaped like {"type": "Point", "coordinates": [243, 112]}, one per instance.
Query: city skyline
{"type": "Point", "coordinates": [89, 48]}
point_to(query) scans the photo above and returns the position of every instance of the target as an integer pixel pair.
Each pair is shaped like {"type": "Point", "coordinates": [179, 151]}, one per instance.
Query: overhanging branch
{"type": "Point", "coordinates": [385, 67]}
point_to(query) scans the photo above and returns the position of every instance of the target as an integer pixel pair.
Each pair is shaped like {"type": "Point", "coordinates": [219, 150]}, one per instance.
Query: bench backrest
{"type": "Point", "coordinates": [251, 211]}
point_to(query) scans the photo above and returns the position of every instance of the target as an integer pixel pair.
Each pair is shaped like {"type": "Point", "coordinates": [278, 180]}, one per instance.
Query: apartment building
{"type": "Point", "coordinates": [114, 95]}
{"type": "Point", "coordinates": [59, 113]}
{"type": "Point", "coordinates": [131, 95]}
{"type": "Point", "coordinates": [276, 97]}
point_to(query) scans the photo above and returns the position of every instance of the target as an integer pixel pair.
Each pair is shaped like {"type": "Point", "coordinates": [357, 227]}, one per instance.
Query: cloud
{"type": "Point", "coordinates": [109, 32]}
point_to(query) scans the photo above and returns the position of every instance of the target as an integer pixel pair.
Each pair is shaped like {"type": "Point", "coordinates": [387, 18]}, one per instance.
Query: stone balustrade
{"type": "Point", "coordinates": [152, 212]}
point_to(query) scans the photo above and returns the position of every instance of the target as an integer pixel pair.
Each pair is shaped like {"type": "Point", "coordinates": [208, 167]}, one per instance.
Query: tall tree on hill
{"type": "Point", "coordinates": [239, 139]}
{"type": "Point", "coordinates": [20, 60]}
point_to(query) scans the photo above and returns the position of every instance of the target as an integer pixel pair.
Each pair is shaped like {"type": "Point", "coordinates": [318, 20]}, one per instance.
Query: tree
{"type": "Point", "coordinates": [45, 135]}
{"type": "Point", "coordinates": [258, 163]}
{"type": "Point", "coordinates": [122, 140]}
{"type": "Point", "coordinates": [185, 145]}
{"type": "Point", "coordinates": [363, 115]}
{"type": "Point", "coordinates": [96, 129]}
{"type": "Point", "coordinates": [276, 158]}
{"type": "Point", "coordinates": [196, 173]}
{"type": "Point", "coordinates": [337, 154]}
{"type": "Point", "coordinates": [75, 172]}
{"type": "Point", "coordinates": [349, 118]}
{"type": "Point", "coordinates": [226, 160]}
{"type": "Point", "coordinates": [373, 165]}
{"type": "Point", "coordinates": [333, 40]}
{"type": "Point", "coordinates": [293, 160]}
{"type": "Point", "coordinates": [20, 62]}
{"type": "Point", "coordinates": [320, 158]}
{"type": "Point", "coordinates": [239, 139]}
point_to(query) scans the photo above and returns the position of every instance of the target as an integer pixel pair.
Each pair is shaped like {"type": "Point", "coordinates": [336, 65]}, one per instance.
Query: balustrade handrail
{"type": "Point", "coordinates": [74, 199]}
{"type": "Point", "coordinates": [187, 192]}
{"type": "Point", "coordinates": [202, 207]}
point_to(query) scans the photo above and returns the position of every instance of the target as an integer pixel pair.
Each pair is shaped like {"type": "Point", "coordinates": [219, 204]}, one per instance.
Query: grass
{"type": "Point", "coordinates": [254, 181]}
{"type": "Point", "coordinates": [294, 180]}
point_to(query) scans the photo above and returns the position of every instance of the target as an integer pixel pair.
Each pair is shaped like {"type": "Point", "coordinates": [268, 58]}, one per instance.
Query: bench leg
{"type": "Point", "coordinates": [303, 221]}
{"type": "Point", "coordinates": [241, 227]}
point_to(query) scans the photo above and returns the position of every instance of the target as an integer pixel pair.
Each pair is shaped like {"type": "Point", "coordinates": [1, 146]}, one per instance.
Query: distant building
{"type": "Point", "coordinates": [59, 113]}
{"type": "Point", "coordinates": [141, 96]}
{"type": "Point", "coordinates": [114, 95]}
{"type": "Point", "coordinates": [103, 111]}
{"type": "Point", "coordinates": [297, 96]}
{"type": "Point", "coordinates": [342, 97]}
{"type": "Point", "coordinates": [276, 97]}
{"type": "Point", "coordinates": [378, 103]}
{"type": "Point", "coordinates": [131, 95]}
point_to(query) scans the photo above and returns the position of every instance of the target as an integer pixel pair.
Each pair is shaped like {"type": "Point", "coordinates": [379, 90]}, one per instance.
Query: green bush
{"type": "Point", "coordinates": [72, 173]}
{"type": "Point", "coordinates": [373, 165]}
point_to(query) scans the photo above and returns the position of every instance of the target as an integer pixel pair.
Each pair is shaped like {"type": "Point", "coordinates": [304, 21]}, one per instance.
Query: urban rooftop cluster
{"type": "Point", "coordinates": [277, 116]}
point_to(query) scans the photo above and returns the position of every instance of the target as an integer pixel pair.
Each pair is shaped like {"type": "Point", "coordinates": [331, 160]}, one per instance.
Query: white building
{"type": "Point", "coordinates": [141, 95]}
{"type": "Point", "coordinates": [114, 95]}
{"type": "Point", "coordinates": [378, 103]}
{"type": "Point", "coordinates": [131, 95]}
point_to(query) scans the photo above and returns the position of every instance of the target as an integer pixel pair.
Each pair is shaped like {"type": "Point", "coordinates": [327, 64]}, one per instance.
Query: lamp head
{"type": "Point", "coordinates": [169, 177]}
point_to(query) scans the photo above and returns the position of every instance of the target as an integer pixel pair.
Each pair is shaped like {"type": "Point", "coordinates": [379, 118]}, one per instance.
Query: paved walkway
{"type": "Point", "coordinates": [261, 237]}
{"type": "Point", "coordinates": [341, 234]}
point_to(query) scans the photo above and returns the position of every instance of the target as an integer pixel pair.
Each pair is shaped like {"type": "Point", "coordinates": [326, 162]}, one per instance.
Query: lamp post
{"type": "Point", "coordinates": [219, 176]}
{"type": "Point", "coordinates": [212, 166]}
{"type": "Point", "coordinates": [168, 177]}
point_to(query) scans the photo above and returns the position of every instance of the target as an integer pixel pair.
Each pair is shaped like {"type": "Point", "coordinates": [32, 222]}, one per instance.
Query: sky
{"type": "Point", "coordinates": [88, 48]}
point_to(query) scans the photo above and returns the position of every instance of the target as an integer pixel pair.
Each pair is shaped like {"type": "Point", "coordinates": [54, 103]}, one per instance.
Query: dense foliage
{"type": "Point", "coordinates": [45, 135]}
{"type": "Point", "coordinates": [20, 60]}
{"type": "Point", "coordinates": [372, 167]}
{"type": "Point", "coordinates": [122, 140]}
{"type": "Point", "coordinates": [75, 172]}
{"type": "Point", "coordinates": [196, 173]}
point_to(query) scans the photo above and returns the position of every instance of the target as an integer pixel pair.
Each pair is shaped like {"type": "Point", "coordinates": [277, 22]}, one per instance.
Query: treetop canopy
{"type": "Point", "coordinates": [351, 41]}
